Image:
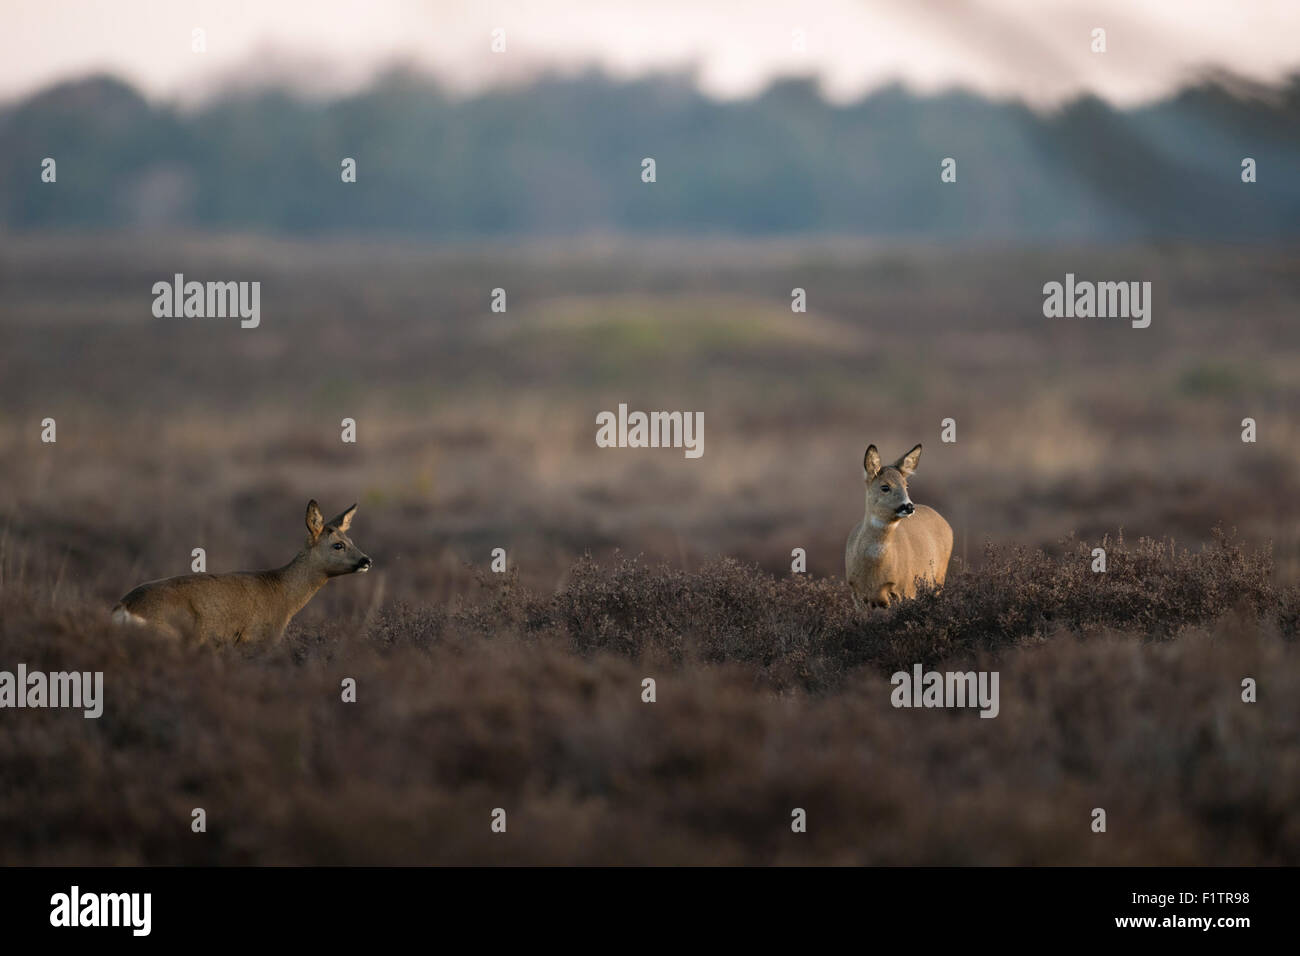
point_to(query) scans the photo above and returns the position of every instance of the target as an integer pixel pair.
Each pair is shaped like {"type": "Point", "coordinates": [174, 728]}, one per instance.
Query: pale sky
{"type": "Point", "coordinates": [1035, 49]}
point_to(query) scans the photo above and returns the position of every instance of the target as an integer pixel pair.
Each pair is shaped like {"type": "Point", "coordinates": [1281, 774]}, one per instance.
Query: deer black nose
{"type": "Point", "coordinates": [364, 564]}
{"type": "Point", "coordinates": [907, 509]}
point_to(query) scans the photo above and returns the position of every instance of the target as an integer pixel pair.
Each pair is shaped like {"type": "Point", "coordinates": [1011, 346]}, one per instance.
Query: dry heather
{"type": "Point", "coordinates": [1119, 690]}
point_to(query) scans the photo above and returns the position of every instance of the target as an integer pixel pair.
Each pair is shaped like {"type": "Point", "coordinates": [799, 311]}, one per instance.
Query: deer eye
{"type": "Point", "coordinates": [338, 545]}
{"type": "Point", "coordinates": [884, 487]}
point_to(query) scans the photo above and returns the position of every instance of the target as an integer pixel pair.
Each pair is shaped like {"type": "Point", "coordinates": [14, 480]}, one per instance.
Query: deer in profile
{"type": "Point", "coordinates": [897, 545]}
{"type": "Point", "coordinates": [247, 605]}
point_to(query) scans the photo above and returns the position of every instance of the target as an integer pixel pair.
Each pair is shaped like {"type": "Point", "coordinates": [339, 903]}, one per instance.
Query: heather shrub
{"type": "Point", "coordinates": [1120, 689]}
{"type": "Point", "coordinates": [798, 631]}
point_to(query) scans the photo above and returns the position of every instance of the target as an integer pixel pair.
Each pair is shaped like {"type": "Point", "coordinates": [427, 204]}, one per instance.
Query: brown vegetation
{"type": "Point", "coordinates": [1120, 690]}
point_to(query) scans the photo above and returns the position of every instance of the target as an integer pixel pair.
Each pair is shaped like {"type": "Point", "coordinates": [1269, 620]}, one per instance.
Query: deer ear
{"type": "Point", "coordinates": [315, 520]}
{"type": "Point", "coordinates": [871, 462]}
{"type": "Point", "coordinates": [344, 520]}
{"type": "Point", "coordinates": [907, 464]}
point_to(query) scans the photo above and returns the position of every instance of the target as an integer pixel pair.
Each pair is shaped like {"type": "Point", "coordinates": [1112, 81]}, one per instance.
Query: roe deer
{"type": "Point", "coordinates": [896, 544]}
{"type": "Point", "coordinates": [247, 605]}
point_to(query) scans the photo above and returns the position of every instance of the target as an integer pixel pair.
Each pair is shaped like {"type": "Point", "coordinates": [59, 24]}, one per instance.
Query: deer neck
{"type": "Point", "coordinates": [297, 582]}
{"type": "Point", "coordinates": [877, 534]}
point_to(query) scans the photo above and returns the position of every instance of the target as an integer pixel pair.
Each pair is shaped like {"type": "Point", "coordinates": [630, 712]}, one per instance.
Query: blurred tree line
{"type": "Point", "coordinates": [563, 156]}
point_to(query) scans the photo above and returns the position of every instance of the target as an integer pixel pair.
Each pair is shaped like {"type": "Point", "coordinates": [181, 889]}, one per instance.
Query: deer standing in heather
{"type": "Point", "coordinates": [247, 605]}
{"type": "Point", "coordinates": [897, 545]}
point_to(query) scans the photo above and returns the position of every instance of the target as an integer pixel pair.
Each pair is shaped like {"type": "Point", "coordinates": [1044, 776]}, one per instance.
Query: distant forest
{"type": "Point", "coordinates": [563, 156]}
